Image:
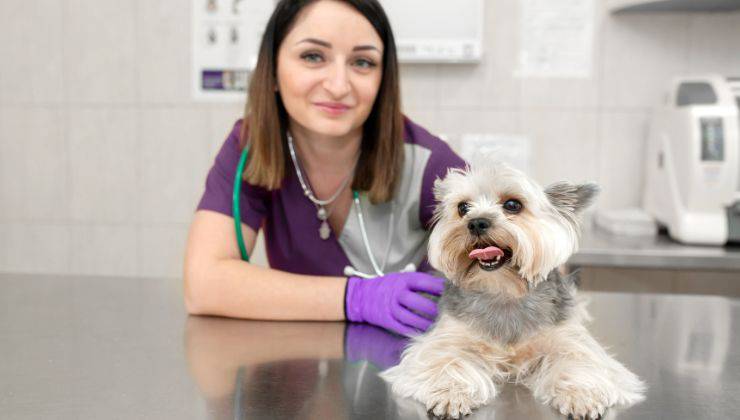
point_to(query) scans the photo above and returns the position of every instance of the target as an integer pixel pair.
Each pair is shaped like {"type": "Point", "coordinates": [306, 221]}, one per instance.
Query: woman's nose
{"type": "Point", "coordinates": [337, 81]}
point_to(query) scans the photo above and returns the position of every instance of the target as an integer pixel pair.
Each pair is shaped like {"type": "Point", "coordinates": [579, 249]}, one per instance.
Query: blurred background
{"type": "Point", "coordinates": [105, 145]}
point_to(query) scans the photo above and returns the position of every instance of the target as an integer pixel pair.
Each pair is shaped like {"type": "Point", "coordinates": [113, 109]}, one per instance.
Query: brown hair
{"type": "Point", "coordinates": [266, 120]}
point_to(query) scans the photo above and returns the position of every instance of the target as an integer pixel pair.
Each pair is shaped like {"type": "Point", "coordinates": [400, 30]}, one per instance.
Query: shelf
{"type": "Point", "coordinates": [631, 6]}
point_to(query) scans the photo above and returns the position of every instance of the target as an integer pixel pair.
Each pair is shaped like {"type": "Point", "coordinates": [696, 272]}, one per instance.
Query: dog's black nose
{"type": "Point", "coordinates": [478, 226]}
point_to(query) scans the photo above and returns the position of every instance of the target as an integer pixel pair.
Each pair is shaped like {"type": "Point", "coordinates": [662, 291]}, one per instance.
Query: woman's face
{"type": "Point", "coordinates": [329, 69]}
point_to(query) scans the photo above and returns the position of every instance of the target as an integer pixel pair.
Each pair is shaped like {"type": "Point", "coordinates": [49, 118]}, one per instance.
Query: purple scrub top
{"type": "Point", "coordinates": [289, 218]}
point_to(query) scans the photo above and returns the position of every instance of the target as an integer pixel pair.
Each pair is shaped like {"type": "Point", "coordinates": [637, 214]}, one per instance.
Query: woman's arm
{"type": "Point", "coordinates": [218, 282]}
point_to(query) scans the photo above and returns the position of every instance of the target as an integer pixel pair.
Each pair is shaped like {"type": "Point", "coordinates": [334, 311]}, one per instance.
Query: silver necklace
{"type": "Point", "coordinates": [321, 212]}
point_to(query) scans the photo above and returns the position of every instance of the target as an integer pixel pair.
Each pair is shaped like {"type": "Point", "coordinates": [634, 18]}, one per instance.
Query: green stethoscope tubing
{"type": "Point", "coordinates": [235, 204]}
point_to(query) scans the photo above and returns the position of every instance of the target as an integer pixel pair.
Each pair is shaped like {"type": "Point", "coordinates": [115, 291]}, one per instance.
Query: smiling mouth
{"type": "Point", "coordinates": [332, 108]}
{"type": "Point", "coordinates": [490, 257]}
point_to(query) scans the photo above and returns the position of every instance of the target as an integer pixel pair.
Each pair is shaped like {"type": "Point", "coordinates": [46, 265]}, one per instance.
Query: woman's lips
{"type": "Point", "coordinates": [332, 108]}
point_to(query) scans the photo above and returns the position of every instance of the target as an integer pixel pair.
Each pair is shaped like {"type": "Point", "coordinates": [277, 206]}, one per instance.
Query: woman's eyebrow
{"type": "Point", "coordinates": [328, 45]}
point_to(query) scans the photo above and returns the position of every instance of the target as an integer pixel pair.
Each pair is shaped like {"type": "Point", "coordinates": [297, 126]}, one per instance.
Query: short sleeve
{"type": "Point", "coordinates": [219, 187]}
{"type": "Point", "coordinates": [440, 161]}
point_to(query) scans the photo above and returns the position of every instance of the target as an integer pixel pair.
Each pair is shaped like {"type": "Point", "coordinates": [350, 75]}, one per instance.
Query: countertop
{"type": "Point", "coordinates": [604, 249]}
{"type": "Point", "coordinates": [74, 347]}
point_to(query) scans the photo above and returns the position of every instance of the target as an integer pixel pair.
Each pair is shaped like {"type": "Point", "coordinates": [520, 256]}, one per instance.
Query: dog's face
{"type": "Point", "coordinates": [497, 229]}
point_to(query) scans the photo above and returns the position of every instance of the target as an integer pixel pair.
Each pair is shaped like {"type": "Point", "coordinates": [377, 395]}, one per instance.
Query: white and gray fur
{"type": "Point", "coordinates": [510, 320]}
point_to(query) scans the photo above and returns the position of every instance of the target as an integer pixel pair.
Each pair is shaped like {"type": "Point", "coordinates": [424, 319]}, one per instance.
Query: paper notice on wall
{"type": "Point", "coordinates": [225, 42]}
{"type": "Point", "coordinates": [556, 38]}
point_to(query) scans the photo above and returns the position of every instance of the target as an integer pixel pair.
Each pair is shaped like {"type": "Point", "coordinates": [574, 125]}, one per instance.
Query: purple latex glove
{"type": "Point", "coordinates": [392, 301]}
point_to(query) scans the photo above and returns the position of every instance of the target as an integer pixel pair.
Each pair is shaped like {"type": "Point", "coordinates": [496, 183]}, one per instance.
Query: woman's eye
{"type": "Point", "coordinates": [364, 63]}
{"type": "Point", "coordinates": [463, 208]}
{"type": "Point", "coordinates": [312, 57]}
{"type": "Point", "coordinates": [513, 206]}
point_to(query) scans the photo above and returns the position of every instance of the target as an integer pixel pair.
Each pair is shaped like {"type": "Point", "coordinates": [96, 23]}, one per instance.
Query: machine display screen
{"type": "Point", "coordinates": [712, 139]}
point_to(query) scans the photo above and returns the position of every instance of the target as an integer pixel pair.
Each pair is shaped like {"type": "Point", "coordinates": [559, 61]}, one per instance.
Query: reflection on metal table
{"type": "Point", "coordinates": [87, 347]}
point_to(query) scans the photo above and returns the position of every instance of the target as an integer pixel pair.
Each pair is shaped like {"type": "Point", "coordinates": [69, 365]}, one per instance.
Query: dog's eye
{"type": "Point", "coordinates": [463, 208]}
{"type": "Point", "coordinates": [513, 206]}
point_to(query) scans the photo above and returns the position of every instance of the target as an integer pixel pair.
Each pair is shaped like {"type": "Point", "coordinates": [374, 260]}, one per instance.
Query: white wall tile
{"type": "Point", "coordinates": [419, 86]}
{"type": "Point", "coordinates": [163, 50]}
{"type": "Point", "coordinates": [33, 164]}
{"type": "Point", "coordinates": [174, 157]}
{"type": "Point", "coordinates": [565, 145]}
{"type": "Point", "coordinates": [425, 117]}
{"type": "Point", "coordinates": [32, 51]}
{"type": "Point", "coordinates": [103, 164]}
{"type": "Point", "coordinates": [99, 47]}
{"type": "Point", "coordinates": [622, 163]}
{"type": "Point", "coordinates": [161, 250]}
{"type": "Point", "coordinates": [103, 249]}
{"type": "Point", "coordinates": [713, 43]}
{"type": "Point", "coordinates": [221, 120]}
{"type": "Point", "coordinates": [34, 248]}
{"type": "Point", "coordinates": [642, 52]}
{"type": "Point", "coordinates": [492, 82]}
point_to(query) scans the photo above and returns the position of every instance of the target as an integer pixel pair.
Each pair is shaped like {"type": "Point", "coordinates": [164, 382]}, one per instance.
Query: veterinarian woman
{"type": "Point", "coordinates": [323, 121]}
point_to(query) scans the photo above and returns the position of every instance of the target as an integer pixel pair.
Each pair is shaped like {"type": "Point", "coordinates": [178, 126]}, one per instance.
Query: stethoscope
{"type": "Point", "coordinates": [348, 270]}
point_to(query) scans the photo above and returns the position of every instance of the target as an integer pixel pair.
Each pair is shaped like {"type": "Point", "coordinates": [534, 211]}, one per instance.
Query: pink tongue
{"type": "Point", "coordinates": [486, 253]}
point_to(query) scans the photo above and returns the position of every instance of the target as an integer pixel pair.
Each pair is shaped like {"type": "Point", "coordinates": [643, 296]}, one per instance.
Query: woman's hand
{"type": "Point", "coordinates": [392, 301]}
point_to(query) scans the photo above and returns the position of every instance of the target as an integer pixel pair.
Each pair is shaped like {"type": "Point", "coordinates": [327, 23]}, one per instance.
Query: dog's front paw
{"type": "Point", "coordinates": [451, 403]}
{"type": "Point", "coordinates": [580, 403]}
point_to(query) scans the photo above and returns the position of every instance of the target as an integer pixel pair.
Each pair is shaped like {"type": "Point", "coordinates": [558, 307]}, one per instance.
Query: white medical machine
{"type": "Point", "coordinates": [693, 161]}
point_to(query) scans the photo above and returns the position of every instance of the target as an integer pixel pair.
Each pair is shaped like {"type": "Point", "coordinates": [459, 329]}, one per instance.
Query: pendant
{"type": "Point", "coordinates": [321, 213]}
{"type": "Point", "coordinates": [324, 230]}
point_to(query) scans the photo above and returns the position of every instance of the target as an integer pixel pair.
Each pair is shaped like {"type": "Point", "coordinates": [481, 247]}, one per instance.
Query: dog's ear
{"type": "Point", "coordinates": [442, 185]}
{"type": "Point", "coordinates": [572, 197]}
{"type": "Point", "coordinates": [439, 190]}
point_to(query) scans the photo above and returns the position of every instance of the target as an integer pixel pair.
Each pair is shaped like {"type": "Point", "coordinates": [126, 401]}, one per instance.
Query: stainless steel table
{"type": "Point", "coordinates": [109, 348]}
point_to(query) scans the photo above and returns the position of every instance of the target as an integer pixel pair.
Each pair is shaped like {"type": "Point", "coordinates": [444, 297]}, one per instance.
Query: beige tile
{"type": "Point", "coordinates": [161, 250]}
{"type": "Point", "coordinates": [713, 43]}
{"type": "Point", "coordinates": [259, 253]}
{"type": "Point", "coordinates": [622, 161]}
{"type": "Point", "coordinates": [103, 166]}
{"type": "Point", "coordinates": [32, 51]}
{"type": "Point", "coordinates": [419, 86]}
{"type": "Point", "coordinates": [100, 51]}
{"type": "Point", "coordinates": [492, 82]}
{"type": "Point", "coordinates": [221, 120]}
{"type": "Point", "coordinates": [174, 157]}
{"type": "Point", "coordinates": [163, 51]}
{"type": "Point", "coordinates": [33, 164]}
{"type": "Point", "coordinates": [34, 248]}
{"type": "Point", "coordinates": [103, 249]}
{"type": "Point", "coordinates": [642, 52]}
{"type": "Point", "coordinates": [565, 145]}
{"type": "Point", "coordinates": [427, 118]}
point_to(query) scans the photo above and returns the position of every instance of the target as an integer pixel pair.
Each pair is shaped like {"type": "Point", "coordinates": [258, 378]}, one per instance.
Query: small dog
{"type": "Point", "coordinates": [506, 313]}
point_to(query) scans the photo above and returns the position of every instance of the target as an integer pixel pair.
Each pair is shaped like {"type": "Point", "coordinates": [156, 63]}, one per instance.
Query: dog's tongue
{"type": "Point", "coordinates": [485, 253]}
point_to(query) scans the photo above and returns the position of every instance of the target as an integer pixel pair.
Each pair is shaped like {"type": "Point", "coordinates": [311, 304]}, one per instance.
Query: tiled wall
{"type": "Point", "coordinates": [103, 154]}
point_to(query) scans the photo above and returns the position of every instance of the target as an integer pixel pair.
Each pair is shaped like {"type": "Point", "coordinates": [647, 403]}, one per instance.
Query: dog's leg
{"type": "Point", "coordinates": [571, 372]}
{"type": "Point", "coordinates": [450, 369]}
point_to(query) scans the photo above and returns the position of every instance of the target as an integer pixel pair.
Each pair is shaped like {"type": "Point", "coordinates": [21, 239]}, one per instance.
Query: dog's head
{"type": "Point", "coordinates": [497, 229]}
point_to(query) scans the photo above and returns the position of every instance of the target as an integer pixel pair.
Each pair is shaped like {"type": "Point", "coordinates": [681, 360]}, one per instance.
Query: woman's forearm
{"type": "Point", "coordinates": [237, 289]}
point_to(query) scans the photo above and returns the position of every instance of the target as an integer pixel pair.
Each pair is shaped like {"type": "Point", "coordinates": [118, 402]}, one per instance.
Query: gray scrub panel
{"type": "Point", "coordinates": [124, 348]}
{"type": "Point", "coordinates": [406, 242]}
